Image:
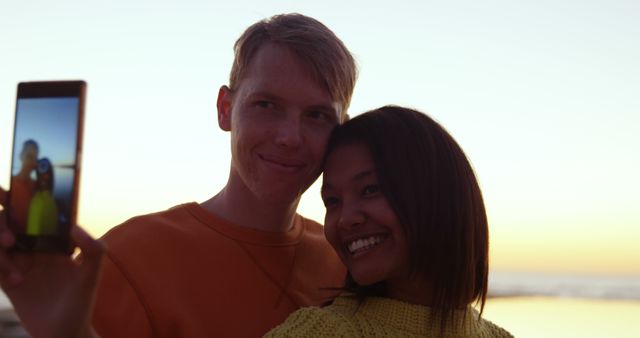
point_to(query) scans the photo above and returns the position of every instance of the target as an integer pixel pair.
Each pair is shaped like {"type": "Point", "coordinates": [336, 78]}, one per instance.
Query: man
{"type": "Point", "coordinates": [241, 262]}
{"type": "Point", "coordinates": [23, 186]}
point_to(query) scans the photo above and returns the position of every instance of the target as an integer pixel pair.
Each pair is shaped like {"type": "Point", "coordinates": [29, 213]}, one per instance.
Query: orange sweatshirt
{"type": "Point", "coordinates": [187, 273]}
{"type": "Point", "coordinates": [22, 191]}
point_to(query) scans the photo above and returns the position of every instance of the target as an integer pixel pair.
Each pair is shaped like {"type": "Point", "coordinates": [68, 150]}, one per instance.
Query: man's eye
{"type": "Point", "coordinates": [264, 104]}
{"type": "Point", "coordinates": [318, 115]}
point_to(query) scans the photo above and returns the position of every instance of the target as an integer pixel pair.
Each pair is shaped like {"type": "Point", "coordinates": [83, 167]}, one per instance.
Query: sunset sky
{"type": "Point", "coordinates": [544, 97]}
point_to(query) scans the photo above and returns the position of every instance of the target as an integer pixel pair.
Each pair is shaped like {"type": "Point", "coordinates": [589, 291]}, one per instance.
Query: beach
{"type": "Point", "coordinates": [564, 317]}
{"type": "Point", "coordinates": [543, 304]}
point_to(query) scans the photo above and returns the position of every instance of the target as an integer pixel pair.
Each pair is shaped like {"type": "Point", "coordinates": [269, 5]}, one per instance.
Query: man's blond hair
{"type": "Point", "coordinates": [317, 46]}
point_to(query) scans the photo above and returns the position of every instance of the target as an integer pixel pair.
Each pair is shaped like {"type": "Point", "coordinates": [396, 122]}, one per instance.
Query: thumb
{"type": "Point", "coordinates": [91, 249]}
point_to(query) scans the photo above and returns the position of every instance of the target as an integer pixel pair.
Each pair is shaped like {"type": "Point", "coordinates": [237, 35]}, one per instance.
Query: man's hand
{"type": "Point", "coordinates": [3, 197]}
{"type": "Point", "coordinates": [53, 294]}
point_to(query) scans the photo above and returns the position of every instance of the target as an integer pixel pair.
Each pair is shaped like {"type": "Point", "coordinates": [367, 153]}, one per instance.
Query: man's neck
{"type": "Point", "coordinates": [24, 174]}
{"type": "Point", "coordinates": [249, 211]}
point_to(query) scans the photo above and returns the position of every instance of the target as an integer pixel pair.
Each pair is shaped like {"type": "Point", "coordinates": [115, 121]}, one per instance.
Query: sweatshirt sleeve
{"type": "Point", "coordinates": [119, 310]}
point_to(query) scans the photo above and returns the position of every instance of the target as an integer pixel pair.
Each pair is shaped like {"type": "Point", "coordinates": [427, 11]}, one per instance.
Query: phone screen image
{"type": "Point", "coordinates": [44, 171]}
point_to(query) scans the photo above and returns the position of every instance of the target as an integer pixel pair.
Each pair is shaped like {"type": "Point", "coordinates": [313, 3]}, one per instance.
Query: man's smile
{"type": "Point", "coordinates": [282, 163]}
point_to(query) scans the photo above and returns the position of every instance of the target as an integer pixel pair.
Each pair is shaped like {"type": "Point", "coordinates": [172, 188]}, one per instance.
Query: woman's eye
{"type": "Point", "coordinates": [330, 201]}
{"type": "Point", "coordinates": [371, 189]}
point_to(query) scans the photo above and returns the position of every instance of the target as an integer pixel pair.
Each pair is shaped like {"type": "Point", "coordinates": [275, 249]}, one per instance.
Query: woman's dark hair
{"type": "Point", "coordinates": [430, 185]}
{"type": "Point", "coordinates": [44, 174]}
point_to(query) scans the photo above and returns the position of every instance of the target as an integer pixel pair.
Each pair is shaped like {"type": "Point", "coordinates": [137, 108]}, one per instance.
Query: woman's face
{"type": "Point", "coordinates": [359, 223]}
{"type": "Point", "coordinates": [44, 181]}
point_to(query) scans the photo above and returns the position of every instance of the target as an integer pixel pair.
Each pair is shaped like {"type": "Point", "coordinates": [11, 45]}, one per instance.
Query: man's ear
{"type": "Point", "coordinates": [225, 97]}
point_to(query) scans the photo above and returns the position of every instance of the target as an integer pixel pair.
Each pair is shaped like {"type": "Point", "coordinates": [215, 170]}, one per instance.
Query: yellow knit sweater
{"type": "Point", "coordinates": [379, 317]}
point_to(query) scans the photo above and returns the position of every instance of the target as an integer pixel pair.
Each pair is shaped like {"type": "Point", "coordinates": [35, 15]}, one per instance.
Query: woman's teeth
{"type": "Point", "coordinates": [364, 243]}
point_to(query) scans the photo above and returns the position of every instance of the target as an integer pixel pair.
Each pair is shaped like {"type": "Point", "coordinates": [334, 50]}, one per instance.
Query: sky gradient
{"type": "Point", "coordinates": [52, 123]}
{"type": "Point", "coordinates": [541, 95]}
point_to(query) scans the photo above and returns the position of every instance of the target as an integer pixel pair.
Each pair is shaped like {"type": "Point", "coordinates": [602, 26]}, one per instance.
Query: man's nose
{"type": "Point", "coordinates": [289, 133]}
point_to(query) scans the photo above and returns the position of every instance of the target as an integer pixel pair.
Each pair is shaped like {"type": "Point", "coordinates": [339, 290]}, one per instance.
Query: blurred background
{"type": "Point", "coordinates": [542, 95]}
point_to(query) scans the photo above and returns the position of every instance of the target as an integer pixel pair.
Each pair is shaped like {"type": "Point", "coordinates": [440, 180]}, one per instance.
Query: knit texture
{"type": "Point", "coordinates": [381, 317]}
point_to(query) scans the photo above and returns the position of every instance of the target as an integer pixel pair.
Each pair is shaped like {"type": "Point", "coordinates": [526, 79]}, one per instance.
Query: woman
{"type": "Point", "coordinates": [405, 214]}
{"type": "Point", "coordinates": [43, 210]}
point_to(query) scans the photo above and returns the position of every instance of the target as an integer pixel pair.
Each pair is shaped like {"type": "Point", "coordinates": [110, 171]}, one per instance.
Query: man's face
{"type": "Point", "coordinates": [280, 119]}
{"type": "Point", "coordinates": [29, 157]}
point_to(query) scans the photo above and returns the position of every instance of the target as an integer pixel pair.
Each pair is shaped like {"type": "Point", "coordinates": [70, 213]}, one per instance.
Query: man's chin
{"type": "Point", "coordinates": [282, 200]}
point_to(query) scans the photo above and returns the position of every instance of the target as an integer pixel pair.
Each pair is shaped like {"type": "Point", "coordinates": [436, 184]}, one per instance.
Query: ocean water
{"type": "Point", "coordinates": [529, 284]}
{"type": "Point", "coordinates": [564, 305]}
{"type": "Point", "coordinates": [518, 284]}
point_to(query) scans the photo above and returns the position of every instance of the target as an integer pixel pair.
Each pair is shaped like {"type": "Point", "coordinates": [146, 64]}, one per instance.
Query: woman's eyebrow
{"type": "Point", "coordinates": [363, 174]}
{"type": "Point", "coordinates": [357, 177]}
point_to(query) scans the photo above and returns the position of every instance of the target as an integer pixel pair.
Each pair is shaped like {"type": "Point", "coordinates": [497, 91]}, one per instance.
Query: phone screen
{"type": "Point", "coordinates": [44, 171]}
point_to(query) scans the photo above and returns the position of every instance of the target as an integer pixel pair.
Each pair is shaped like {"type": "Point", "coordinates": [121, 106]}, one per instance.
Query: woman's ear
{"type": "Point", "coordinates": [225, 98]}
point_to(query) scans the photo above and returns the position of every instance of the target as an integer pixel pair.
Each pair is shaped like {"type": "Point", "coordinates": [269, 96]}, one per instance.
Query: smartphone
{"type": "Point", "coordinates": [42, 202]}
